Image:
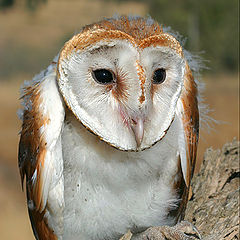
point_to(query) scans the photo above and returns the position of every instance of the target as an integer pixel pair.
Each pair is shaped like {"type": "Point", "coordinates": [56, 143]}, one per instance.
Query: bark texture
{"type": "Point", "coordinates": [214, 206]}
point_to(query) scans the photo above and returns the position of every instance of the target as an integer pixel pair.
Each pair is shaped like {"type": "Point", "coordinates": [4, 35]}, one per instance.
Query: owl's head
{"type": "Point", "coordinates": [122, 79]}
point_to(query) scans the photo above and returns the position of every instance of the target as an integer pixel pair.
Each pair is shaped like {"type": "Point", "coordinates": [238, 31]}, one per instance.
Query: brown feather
{"type": "Point", "coordinates": [190, 120]}
{"type": "Point", "coordinates": [191, 129]}
{"type": "Point", "coordinates": [121, 29]}
{"type": "Point", "coordinates": [181, 189]}
{"type": "Point", "coordinates": [142, 78]}
{"type": "Point", "coordinates": [138, 28]}
{"type": "Point", "coordinates": [31, 156]}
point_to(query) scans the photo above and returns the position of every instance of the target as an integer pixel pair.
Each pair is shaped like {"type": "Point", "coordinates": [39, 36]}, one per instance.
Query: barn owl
{"type": "Point", "coordinates": [109, 134]}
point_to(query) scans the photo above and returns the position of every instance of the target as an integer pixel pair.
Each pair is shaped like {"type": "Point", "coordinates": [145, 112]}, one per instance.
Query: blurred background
{"type": "Point", "coordinates": [33, 31]}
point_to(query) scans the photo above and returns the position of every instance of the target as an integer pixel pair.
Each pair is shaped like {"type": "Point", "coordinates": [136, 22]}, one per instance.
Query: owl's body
{"type": "Point", "coordinates": [108, 192]}
{"type": "Point", "coordinates": [109, 133]}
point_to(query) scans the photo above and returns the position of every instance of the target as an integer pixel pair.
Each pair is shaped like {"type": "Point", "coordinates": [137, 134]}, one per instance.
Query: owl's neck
{"type": "Point", "coordinates": [84, 149]}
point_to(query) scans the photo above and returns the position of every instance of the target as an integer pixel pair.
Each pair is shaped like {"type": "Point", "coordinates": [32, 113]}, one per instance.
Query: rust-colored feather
{"type": "Point", "coordinates": [39, 222]}
{"type": "Point", "coordinates": [190, 118]}
{"type": "Point", "coordinates": [137, 27]}
{"type": "Point", "coordinates": [137, 31]}
{"type": "Point", "coordinates": [180, 187]}
{"type": "Point", "coordinates": [32, 150]}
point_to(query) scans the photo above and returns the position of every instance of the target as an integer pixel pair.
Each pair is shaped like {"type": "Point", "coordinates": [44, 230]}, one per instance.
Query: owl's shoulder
{"type": "Point", "coordinates": [40, 160]}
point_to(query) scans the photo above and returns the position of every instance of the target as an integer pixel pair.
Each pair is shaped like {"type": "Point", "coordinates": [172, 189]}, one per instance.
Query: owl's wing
{"type": "Point", "coordinates": [40, 153]}
{"type": "Point", "coordinates": [189, 120]}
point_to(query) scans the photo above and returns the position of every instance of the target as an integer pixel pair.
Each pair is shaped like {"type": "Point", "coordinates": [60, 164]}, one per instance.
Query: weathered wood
{"type": "Point", "coordinates": [214, 207]}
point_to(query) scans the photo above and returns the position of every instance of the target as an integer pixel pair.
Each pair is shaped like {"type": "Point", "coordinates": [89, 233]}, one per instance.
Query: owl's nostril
{"type": "Point", "coordinates": [133, 121]}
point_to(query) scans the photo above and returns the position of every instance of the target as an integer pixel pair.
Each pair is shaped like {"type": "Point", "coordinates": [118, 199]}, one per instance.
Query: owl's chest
{"type": "Point", "coordinates": [107, 191]}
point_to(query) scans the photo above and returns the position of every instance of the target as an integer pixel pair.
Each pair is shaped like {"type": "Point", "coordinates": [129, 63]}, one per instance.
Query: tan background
{"type": "Point", "coordinates": [31, 36]}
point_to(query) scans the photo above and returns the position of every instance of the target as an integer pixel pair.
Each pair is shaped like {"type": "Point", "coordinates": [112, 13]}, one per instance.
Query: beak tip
{"type": "Point", "coordinates": [139, 142]}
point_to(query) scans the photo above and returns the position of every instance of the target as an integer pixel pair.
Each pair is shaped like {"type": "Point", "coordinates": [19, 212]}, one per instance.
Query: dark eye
{"type": "Point", "coordinates": [103, 76]}
{"type": "Point", "coordinates": [159, 76]}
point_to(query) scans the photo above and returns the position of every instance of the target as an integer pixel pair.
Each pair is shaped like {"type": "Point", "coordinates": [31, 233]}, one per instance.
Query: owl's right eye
{"type": "Point", "coordinates": [103, 76]}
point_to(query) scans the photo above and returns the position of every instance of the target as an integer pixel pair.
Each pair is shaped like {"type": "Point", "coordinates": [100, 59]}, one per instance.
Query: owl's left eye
{"type": "Point", "coordinates": [103, 76]}
{"type": "Point", "coordinates": [159, 76]}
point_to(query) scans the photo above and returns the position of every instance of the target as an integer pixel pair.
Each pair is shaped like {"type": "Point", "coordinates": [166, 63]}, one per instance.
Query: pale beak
{"type": "Point", "coordinates": [138, 130]}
